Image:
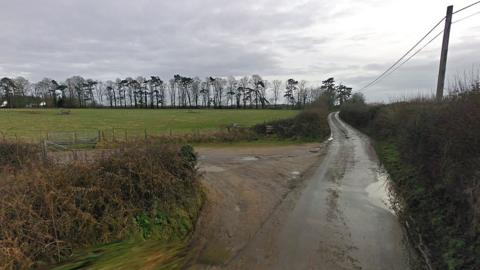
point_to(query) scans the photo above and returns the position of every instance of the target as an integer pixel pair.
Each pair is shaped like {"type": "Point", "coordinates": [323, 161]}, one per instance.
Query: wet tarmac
{"type": "Point", "coordinates": [339, 220]}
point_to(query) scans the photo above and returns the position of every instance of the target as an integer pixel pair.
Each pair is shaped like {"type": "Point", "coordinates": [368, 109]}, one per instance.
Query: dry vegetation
{"type": "Point", "coordinates": [432, 151]}
{"type": "Point", "coordinates": [48, 210]}
{"type": "Point", "coordinates": [310, 124]}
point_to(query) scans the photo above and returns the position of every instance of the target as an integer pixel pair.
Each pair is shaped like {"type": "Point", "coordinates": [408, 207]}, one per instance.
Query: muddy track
{"type": "Point", "coordinates": [333, 214]}
{"type": "Point", "coordinates": [245, 187]}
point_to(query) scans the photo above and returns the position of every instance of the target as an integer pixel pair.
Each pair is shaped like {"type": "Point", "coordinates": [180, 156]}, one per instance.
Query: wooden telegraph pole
{"type": "Point", "coordinates": [443, 56]}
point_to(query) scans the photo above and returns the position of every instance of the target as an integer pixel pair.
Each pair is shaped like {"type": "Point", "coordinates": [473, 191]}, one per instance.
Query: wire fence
{"type": "Point", "coordinates": [87, 145]}
{"type": "Point", "coordinates": [94, 136]}
{"type": "Point", "coordinates": [65, 146]}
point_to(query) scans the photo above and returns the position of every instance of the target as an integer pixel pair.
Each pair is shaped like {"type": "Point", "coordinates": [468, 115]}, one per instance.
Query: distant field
{"type": "Point", "coordinates": [36, 123]}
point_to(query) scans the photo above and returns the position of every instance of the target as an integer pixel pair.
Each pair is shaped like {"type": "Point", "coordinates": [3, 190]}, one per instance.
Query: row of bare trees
{"type": "Point", "coordinates": [178, 92]}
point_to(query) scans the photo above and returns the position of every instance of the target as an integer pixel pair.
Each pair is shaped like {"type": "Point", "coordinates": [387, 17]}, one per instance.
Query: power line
{"type": "Point", "coordinates": [411, 56]}
{"type": "Point", "coordinates": [428, 43]}
{"type": "Point", "coordinates": [423, 47]}
{"type": "Point", "coordinates": [464, 18]}
{"type": "Point", "coordinates": [403, 56]}
{"type": "Point", "coordinates": [396, 65]}
{"type": "Point", "coordinates": [469, 6]}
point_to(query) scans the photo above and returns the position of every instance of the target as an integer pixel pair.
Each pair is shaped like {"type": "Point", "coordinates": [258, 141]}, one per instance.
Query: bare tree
{"type": "Point", "coordinates": [242, 90]}
{"type": "Point", "coordinates": [258, 91]}
{"type": "Point", "coordinates": [218, 88]}
{"type": "Point", "coordinates": [277, 84]}
{"type": "Point", "coordinates": [100, 89]}
{"type": "Point", "coordinates": [43, 87]}
{"type": "Point", "coordinates": [171, 91]}
{"type": "Point", "coordinates": [88, 89]}
{"type": "Point", "coordinates": [196, 89]}
{"type": "Point", "coordinates": [178, 86]}
{"type": "Point", "coordinates": [22, 86]}
{"type": "Point", "coordinates": [205, 92]}
{"type": "Point", "coordinates": [181, 91]}
{"type": "Point", "coordinates": [123, 88]}
{"type": "Point", "coordinates": [75, 90]}
{"type": "Point", "coordinates": [110, 93]}
{"type": "Point", "coordinates": [212, 85]}
{"type": "Point", "coordinates": [302, 93]}
{"type": "Point", "coordinates": [232, 90]}
{"type": "Point", "coordinates": [186, 84]}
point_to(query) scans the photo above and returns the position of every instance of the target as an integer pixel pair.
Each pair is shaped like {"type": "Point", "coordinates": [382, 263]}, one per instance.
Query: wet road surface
{"type": "Point", "coordinates": [339, 219]}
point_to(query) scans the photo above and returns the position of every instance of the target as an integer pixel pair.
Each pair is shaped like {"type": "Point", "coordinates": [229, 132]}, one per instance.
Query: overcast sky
{"type": "Point", "coordinates": [353, 41]}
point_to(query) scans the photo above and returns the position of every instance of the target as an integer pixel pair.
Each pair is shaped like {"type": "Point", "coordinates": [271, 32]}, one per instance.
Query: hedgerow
{"type": "Point", "coordinates": [48, 209]}
{"type": "Point", "coordinates": [432, 151]}
{"type": "Point", "coordinates": [309, 124]}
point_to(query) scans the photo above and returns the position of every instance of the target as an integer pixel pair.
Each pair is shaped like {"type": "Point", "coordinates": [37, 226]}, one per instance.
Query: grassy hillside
{"type": "Point", "coordinates": [34, 123]}
{"type": "Point", "coordinates": [432, 152]}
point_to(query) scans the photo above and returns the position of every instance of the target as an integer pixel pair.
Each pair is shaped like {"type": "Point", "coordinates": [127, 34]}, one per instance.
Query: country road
{"type": "Point", "coordinates": [338, 220]}
{"type": "Point", "coordinates": [305, 206]}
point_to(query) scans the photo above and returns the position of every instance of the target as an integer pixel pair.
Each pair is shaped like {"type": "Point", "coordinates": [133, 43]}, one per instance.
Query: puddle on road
{"type": "Point", "coordinates": [249, 158]}
{"type": "Point", "coordinates": [293, 178]}
{"type": "Point", "coordinates": [378, 191]}
{"type": "Point", "coordinates": [295, 174]}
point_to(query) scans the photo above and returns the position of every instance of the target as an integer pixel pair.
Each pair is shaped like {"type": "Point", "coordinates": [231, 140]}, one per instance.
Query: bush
{"type": "Point", "coordinates": [48, 210]}
{"type": "Point", "coordinates": [309, 124]}
{"type": "Point", "coordinates": [14, 155]}
{"type": "Point", "coordinates": [358, 114]}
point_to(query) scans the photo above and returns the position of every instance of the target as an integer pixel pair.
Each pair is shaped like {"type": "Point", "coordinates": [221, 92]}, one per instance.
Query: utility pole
{"type": "Point", "coordinates": [444, 53]}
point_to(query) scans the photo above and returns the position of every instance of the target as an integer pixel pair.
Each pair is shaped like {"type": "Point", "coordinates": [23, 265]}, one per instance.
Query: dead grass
{"type": "Point", "coordinates": [48, 210]}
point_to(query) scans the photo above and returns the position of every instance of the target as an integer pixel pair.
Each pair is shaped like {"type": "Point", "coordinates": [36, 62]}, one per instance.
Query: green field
{"type": "Point", "coordinates": [34, 124]}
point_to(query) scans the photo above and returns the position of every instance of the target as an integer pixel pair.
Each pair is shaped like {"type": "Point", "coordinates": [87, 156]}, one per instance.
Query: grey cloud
{"type": "Point", "coordinates": [95, 38]}
{"type": "Point", "coordinates": [116, 38]}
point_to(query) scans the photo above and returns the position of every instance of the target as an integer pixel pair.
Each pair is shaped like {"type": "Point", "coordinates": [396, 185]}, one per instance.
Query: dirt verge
{"type": "Point", "coordinates": [244, 187]}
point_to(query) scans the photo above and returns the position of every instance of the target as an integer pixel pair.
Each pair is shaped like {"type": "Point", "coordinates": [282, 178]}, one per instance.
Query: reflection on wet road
{"type": "Point", "coordinates": [340, 219]}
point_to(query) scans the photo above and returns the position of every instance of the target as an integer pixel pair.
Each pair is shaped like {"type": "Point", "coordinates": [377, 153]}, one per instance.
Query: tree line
{"type": "Point", "coordinates": [178, 92]}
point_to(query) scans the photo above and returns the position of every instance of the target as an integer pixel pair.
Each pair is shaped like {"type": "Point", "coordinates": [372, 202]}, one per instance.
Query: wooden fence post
{"type": "Point", "coordinates": [16, 142]}
{"type": "Point", "coordinates": [44, 150]}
